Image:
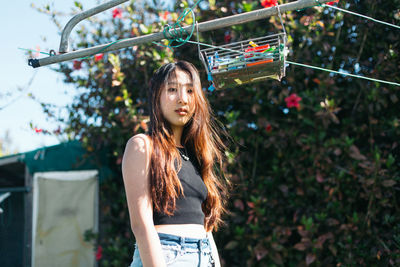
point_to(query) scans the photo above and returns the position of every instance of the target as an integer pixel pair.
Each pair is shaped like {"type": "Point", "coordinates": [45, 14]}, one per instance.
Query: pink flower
{"type": "Point", "coordinates": [98, 57]}
{"type": "Point", "coordinates": [269, 3]}
{"type": "Point", "coordinates": [293, 101]}
{"type": "Point", "coordinates": [38, 130]}
{"type": "Point", "coordinates": [99, 253]}
{"type": "Point", "coordinates": [77, 65]}
{"type": "Point", "coordinates": [37, 54]}
{"type": "Point", "coordinates": [117, 13]}
{"type": "Point", "coordinates": [332, 3]}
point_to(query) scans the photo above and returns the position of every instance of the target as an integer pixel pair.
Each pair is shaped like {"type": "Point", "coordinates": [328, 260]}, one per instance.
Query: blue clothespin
{"type": "Point", "coordinates": [209, 77]}
{"type": "Point", "coordinates": [210, 61]}
{"type": "Point", "coordinates": [211, 88]}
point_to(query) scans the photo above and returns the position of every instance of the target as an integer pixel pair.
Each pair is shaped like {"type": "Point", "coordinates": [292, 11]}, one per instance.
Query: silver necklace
{"type": "Point", "coordinates": [184, 155]}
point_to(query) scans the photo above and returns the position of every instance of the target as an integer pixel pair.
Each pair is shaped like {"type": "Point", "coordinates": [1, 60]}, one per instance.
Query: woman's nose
{"type": "Point", "coordinates": [183, 96]}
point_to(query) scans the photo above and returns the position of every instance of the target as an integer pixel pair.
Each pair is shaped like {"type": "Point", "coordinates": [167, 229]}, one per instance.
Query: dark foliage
{"type": "Point", "coordinates": [315, 185]}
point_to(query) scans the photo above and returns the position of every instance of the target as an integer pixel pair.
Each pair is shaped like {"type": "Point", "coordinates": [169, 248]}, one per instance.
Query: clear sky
{"type": "Point", "coordinates": [22, 26]}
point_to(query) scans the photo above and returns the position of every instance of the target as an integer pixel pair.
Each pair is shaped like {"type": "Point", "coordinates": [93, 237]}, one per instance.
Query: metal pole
{"type": "Point", "coordinates": [202, 27]}
{"type": "Point", "coordinates": [24, 189]}
{"type": "Point", "coordinates": [81, 16]}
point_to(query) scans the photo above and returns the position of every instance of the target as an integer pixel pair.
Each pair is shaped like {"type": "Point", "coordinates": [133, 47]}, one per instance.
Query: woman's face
{"type": "Point", "coordinates": [177, 99]}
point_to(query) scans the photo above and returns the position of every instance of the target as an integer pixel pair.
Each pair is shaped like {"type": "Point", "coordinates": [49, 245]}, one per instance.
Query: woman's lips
{"type": "Point", "coordinates": [181, 111]}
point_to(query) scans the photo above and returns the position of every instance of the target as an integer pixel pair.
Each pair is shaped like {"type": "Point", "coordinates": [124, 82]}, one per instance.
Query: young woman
{"type": "Point", "coordinates": [174, 195]}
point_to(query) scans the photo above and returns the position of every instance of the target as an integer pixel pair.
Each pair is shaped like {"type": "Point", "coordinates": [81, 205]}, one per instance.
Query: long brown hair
{"type": "Point", "coordinates": [200, 135]}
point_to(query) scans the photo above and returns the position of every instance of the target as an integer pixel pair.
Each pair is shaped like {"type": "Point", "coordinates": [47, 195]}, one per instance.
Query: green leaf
{"type": "Point", "coordinates": [231, 245]}
{"type": "Point", "coordinates": [156, 55]}
{"type": "Point", "coordinates": [247, 7]}
{"type": "Point", "coordinates": [144, 29]}
{"type": "Point", "coordinates": [114, 60]}
{"type": "Point", "coordinates": [232, 116]}
{"type": "Point", "coordinates": [389, 183]}
{"type": "Point", "coordinates": [125, 94]}
{"type": "Point", "coordinates": [78, 5]}
{"type": "Point", "coordinates": [390, 160]}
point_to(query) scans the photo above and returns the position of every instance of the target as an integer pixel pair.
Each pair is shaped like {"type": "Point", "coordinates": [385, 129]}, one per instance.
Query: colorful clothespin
{"type": "Point", "coordinates": [257, 49]}
{"type": "Point", "coordinates": [272, 48]}
{"type": "Point", "coordinates": [210, 61]}
{"type": "Point", "coordinates": [253, 44]}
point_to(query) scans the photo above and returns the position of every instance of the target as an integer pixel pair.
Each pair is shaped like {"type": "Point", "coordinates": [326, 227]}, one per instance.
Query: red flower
{"type": "Point", "coordinates": [117, 12]}
{"type": "Point", "coordinates": [227, 37]}
{"type": "Point", "coordinates": [293, 101]}
{"type": "Point", "coordinates": [332, 3]}
{"type": "Point", "coordinates": [99, 253]}
{"type": "Point", "coordinates": [268, 128]}
{"type": "Point", "coordinates": [57, 131]}
{"type": "Point", "coordinates": [77, 65]}
{"type": "Point", "coordinates": [38, 130]}
{"type": "Point", "coordinates": [98, 57]}
{"type": "Point", "coordinates": [269, 3]}
{"type": "Point", "coordinates": [164, 15]}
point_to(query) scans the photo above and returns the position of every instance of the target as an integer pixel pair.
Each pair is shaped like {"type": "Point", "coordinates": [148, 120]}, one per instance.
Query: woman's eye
{"type": "Point", "coordinates": [190, 91]}
{"type": "Point", "coordinates": [171, 89]}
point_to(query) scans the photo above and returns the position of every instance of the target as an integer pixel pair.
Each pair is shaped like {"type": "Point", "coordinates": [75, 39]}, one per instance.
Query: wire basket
{"type": "Point", "coordinates": [246, 61]}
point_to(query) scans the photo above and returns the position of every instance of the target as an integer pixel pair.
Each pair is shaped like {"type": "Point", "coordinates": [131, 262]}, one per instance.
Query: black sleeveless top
{"type": "Point", "coordinates": [188, 208]}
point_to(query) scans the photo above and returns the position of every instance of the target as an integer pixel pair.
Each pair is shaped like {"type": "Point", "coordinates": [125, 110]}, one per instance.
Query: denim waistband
{"type": "Point", "coordinates": [184, 242]}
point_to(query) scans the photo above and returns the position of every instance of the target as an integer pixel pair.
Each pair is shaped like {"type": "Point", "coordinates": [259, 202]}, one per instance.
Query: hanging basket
{"type": "Point", "coordinates": [246, 61]}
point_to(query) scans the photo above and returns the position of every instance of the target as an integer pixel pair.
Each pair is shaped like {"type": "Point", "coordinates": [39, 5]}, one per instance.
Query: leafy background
{"type": "Point", "coordinates": [314, 184]}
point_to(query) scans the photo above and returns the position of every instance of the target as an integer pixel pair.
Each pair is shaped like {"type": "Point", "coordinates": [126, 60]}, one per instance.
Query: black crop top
{"type": "Point", "coordinates": [188, 208]}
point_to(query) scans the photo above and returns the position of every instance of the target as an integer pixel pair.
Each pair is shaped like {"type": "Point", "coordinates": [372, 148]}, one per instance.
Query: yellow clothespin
{"type": "Point", "coordinates": [253, 44]}
{"type": "Point", "coordinates": [238, 81]}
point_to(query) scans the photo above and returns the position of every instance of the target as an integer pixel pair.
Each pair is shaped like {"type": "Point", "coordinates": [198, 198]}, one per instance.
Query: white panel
{"type": "Point", "coordinates": [65, 205]}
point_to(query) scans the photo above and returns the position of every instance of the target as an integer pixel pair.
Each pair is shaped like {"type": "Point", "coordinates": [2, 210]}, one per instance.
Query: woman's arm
{"type": "Point", "coordinates": [135, 170]}
{"type": "Point", "coordinates": [214, 250]}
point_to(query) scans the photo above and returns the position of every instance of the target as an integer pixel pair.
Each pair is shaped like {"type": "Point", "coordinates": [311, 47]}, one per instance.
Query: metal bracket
{"type": "Point", "coordinates": [81, 16]}
{"type": "Point", "coordinates": [202, 27]}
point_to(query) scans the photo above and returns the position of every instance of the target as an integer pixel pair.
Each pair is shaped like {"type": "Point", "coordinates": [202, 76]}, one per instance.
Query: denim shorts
{"type": "Point", "coordinates": [181, 252]}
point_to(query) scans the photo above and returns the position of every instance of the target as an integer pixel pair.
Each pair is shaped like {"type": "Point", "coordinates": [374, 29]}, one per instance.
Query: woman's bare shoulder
{"type": "Point", "coordinates": [138, 148]}
{"type": "Point", "coordinates": [139, 141]}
